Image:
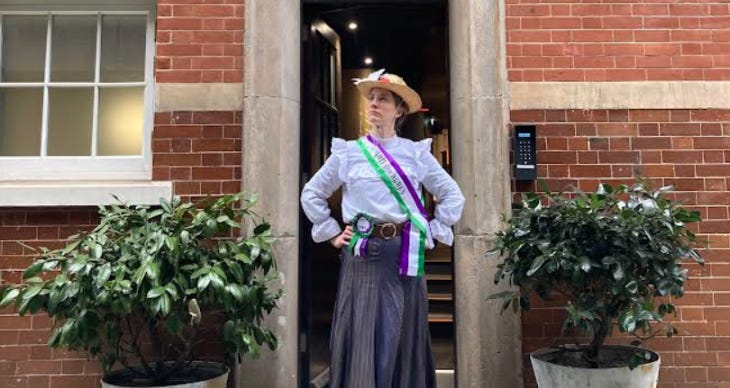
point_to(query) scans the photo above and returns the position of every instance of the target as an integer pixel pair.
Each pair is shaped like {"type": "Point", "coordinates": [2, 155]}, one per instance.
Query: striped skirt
{"type": "Point", "coordinates": [380, 336]}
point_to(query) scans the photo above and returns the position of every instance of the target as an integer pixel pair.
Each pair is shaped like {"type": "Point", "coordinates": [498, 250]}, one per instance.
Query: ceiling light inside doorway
{"type": "Point", "coordinates": [368, 61]}
{"type": "Point", "coordinates": [352, 26]}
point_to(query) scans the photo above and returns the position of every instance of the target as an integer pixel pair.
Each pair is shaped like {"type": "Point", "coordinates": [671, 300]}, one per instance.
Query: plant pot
{"type": "Point", "coordinates": [552, 375]}
{"type": "Point", "coordinates": [201, 374]}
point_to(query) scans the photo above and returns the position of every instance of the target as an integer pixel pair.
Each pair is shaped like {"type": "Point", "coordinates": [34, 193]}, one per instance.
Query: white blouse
{"type": "Point", "coordinates": [364, 191]}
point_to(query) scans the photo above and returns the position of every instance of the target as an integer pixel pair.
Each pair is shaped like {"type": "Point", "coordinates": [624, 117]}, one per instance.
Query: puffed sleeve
{"type": "Point", "coordinates": [322, 185]}
{"type": "Point", "coordinates": [449, 199]}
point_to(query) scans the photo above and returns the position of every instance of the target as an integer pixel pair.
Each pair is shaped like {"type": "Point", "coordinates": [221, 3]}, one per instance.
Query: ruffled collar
{"type": "Point", "coordinates": [385, 141]}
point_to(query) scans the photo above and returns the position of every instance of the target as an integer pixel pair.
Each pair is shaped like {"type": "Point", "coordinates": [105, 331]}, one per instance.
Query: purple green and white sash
{"type": "Point", "coordinates": [416, 230]}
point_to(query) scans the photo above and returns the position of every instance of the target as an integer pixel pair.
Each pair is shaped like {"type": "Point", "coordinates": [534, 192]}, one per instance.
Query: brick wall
{"type": "Point", "coordinates": [25, 359]}
{"type": "Point", "coordinates": [687, 148]}
{"type": "Point", "coordinates": [199, 41]}
{"type": "Point", "coordinates": [640, 40]}
{"type": "Point", "coordinates": [199, 151]}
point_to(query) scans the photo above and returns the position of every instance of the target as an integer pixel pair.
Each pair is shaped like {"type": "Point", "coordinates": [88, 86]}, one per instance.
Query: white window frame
{"type": "Point", "coordinates": [94, 167]}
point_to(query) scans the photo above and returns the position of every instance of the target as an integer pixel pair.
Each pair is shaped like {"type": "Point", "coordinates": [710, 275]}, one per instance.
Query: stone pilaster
{"type": "Point", "coordinates": [488, 345]}
{"type": "Point", "coordinates": [271, 116]}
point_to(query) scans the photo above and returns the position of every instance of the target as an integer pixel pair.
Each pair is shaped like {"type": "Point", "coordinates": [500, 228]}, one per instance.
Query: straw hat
{"type": "Point", "coordinates": [392, 82]}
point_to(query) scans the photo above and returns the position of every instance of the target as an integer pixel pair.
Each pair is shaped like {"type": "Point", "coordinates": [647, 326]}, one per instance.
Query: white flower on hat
{"type": "Point", "coordinates": [374, 76]}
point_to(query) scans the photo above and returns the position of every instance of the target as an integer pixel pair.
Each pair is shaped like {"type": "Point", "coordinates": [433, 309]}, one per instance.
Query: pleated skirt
{"type": "Point", "coordinates": [380, 336]}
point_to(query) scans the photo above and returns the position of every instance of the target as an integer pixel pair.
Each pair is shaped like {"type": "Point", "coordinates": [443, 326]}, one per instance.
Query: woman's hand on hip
{"type": "Point", "coordinates": [343, 238]}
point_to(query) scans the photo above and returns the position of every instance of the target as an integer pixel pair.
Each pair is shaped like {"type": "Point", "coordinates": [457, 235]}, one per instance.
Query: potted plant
{"type": "Point", "coordinates": [140, 290]}
{"type": "Point", "coordinates": [614, 256]}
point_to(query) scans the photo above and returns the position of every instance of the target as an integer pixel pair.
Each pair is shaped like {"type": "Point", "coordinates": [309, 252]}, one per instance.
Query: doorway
{"type": "Point", "coordinates": [345, 40]}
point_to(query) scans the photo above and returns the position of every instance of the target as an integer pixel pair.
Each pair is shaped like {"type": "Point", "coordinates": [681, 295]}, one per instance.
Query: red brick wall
{"type": "Point", "coordinates": [687, 148]}
{"type": "Point", "coordinates": [199, 41]}
{"type": "Point", "coordinates": [199, 151]}
{"type": "Point", "coordinates": [25, 359]}
{"type": "Point", "coordinates": [595, 40]}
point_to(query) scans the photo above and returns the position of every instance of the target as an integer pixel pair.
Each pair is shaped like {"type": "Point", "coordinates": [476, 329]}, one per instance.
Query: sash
{"type": "Point", "coordinates": [416, 230]}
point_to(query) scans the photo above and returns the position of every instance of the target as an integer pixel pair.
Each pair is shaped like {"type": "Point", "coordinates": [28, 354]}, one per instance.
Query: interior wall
{"type": "Point", "coordinates": [353, 119]}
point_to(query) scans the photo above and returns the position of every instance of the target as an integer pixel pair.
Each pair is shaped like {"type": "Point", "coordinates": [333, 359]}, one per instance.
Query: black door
{"type": "Point", "coordinates": [321, 99]}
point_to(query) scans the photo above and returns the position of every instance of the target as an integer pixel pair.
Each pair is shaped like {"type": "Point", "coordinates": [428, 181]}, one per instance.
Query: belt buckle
{"type": "Point", "coordinates": [385, 226]}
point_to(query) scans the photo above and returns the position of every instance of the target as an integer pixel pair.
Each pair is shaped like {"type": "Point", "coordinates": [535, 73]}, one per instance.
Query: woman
{"type": "Point", "coordinates": [380, 336]}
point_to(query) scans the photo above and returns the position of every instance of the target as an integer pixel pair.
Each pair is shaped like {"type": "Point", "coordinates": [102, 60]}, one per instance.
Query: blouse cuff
{"type": "Point", "coordinates": [325, 230]}
{"type": "Point", "coordinates": [441, 232]}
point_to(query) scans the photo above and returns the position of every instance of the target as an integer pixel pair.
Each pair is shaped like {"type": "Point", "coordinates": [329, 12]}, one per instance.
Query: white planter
{"type": "Point", "coordinates": [550, 375]}
{"type": "Point", "coordinates": [219, 381]}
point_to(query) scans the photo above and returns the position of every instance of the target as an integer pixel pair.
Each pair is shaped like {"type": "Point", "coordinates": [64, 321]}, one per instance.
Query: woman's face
{"type": "Point", "coordinates": [382, 111]}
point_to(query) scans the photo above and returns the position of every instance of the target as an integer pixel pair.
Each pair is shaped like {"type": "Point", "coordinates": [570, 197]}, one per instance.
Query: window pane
{"type": "Point", "coordinates": [24, 48]}
{"type": "Point", "coordinates": [121, 121]}
{"type": "Point", "coordinates": [123, 48]}
{"type": "Point", "coordinates": [73, 48]}
{"type": "Point", "coordinates": [21, 111]}
{"type": "Point", "coordinates": [69, 121]}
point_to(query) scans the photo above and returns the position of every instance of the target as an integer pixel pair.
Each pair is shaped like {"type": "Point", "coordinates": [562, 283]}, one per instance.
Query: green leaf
{"type": "Point", "coordinates": [33, 270]}
{"type": "Point", "coordinates": [76, 266]}
{"type": "Point", "coordinates": [585, 264]}
{"type": "Point", "coordinates": [171, 290]}
{"type": "Point", "coordinates": [166, 206]}
{"type": "Point", "coordinates": [9, 297]}
{"type": "Point", "coordinates": [246, 259]}
{"type": "Point", "coordinates": [202, 271]}
{"type": "Point", "coordinates": [53, 299]}
{"type": "Point", "coordinates": [228, 330]}
{"type": "Point", "coordinates": [618, 272]}
{"type": "Point", "coordinates": [261, 229]}
{"type": "Point", "coordinates": [50, 265]}
{"type": "Point", "coordinates": [632, 286]}
{"type": "Point", "coordinates": [165, 304]}
{"type": "Point", "coordinates": [203, 282]}
{"type": "Point", "coordinates": [536, 264]}
{"type": "Point", "coordinates": [235, 291]}
{"type": "Point", "coordinates": [98, 250]}
{"type": "Point", "coordinates": [255, 251]}
{"type": "Point", "coordinates": [70, 247]}
{"type": "Point", "coordinates": [216, 280]}
{"type": "Point", "coordinates": [155, 292]}
{"type": "Point", "coordinates": [139, 275]}
{"type": "Point", "coordinates": [172, 243]}
{"type": "Point", "coordinates": [627, 322]}
{"type": "Point", "coordinates": [152, 270]}
{"type": "Point", "coordinates": [236, 271]}
{"type": "Point", "coordinates": [31, 292]}
{"type": "Point", "coordinates": [105, 272]}
{"type": "Point", "coordinates": [502, 295]}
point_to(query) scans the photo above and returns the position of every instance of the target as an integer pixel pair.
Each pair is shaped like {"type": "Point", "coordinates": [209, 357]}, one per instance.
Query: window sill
{"type": "Point", "coordinates": [64, 193]}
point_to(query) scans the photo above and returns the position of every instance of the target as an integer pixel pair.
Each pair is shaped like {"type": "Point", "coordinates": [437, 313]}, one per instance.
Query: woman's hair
{"type": "Point", "coordinates": [403, 107]}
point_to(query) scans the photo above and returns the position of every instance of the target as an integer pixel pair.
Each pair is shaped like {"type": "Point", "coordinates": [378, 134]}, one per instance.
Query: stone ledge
{"type": "Point", "coordinates": [66, 193]}
{"type": "Point", "coordinates": [198, 97]}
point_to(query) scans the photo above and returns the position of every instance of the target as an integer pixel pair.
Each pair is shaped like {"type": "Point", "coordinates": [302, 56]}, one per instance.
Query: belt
{"type": "Point", "coordinates": [387, 230]}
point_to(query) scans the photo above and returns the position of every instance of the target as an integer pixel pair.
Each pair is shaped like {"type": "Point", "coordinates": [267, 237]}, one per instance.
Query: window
{"type": "Point", "coordinates": [76, 90]}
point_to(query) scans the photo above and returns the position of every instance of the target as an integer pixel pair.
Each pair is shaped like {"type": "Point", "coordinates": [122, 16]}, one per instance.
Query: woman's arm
{"type": "Point", "coordinates": [450, 200]}
{"type": "Point", "coordinates": [315, 193]}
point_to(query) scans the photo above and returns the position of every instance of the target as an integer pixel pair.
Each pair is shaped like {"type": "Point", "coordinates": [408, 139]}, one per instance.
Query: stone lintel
{"type": "Point", "coordinates": [620, 95]}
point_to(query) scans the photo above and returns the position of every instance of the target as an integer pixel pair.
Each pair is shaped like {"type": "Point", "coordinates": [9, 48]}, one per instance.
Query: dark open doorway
{"type": "Point", "coordinates": [406, 37]}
